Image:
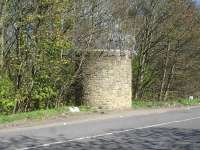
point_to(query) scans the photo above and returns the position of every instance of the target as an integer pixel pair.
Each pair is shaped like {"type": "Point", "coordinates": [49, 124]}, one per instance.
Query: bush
{"type": "Point", "coordinates": [7, 101]}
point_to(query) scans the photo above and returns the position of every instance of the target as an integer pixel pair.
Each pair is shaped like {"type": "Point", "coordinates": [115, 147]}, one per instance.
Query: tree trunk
{"type": "Point", "coordinates": [163, 82]}
{"type": "Point", "coordinates": [140, 77]}
{"type": "Point", "coordinates": [2, 13]}
{"type": "Point", "coordinates": [169, 82]}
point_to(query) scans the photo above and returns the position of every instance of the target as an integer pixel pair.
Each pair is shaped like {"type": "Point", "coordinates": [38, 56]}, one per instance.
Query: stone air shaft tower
{"type": "Point", "coordinates": [108, 79]}
{"type": "Point", "coordinates": [107, 70]}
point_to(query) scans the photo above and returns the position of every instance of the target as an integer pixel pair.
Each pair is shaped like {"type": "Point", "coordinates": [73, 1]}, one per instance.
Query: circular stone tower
{"type": "Point", "coordinates": [107, 79]}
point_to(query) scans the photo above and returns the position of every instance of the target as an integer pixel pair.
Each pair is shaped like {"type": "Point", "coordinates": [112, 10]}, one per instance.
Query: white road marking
{"type": "Point", "coordinates": [109, 133]}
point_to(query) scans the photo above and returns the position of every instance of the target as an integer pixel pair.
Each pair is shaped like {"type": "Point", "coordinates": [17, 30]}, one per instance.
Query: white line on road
{"type": "Point", "coordinates": [109, 133]}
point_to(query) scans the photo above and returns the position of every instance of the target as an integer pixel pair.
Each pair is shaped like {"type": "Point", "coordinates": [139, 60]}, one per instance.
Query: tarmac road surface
{"type": "Point", "coordinates": [174, 130]}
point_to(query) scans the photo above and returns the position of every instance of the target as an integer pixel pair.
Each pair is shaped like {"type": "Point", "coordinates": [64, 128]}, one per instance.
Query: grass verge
{"type": "Point", "coordinates": [39, 115]}
{"type": "Point", "coordinates": [141, 104]}
{"type": "Point", "coordinates": [51, 113]}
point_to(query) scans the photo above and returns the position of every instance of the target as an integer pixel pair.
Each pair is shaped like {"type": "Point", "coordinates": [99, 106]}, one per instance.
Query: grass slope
{"type": "Point", "coordinates": [39, 115]}
{"type": "Point", "coordinates": [138, 104]}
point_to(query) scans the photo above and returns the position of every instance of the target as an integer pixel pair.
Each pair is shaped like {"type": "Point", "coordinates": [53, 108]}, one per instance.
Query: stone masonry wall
{"type": "Point", "coordinates": [107, 80]}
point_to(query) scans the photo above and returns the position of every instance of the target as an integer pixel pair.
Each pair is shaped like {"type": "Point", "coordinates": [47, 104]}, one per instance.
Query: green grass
{"type": "Point", "coordinates": [51, 113]}
{"type": "Point", "coordinates": [39, 115]}
{"type": "Point", "coordinates": [142, 104]}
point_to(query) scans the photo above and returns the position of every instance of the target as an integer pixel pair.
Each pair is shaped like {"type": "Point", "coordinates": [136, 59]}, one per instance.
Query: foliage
{"type": "Point", "coordinates": [35, 62]}
{"type": "Point", "coordinates": [143, 104]}
{"type": "Point", "coordinates": [165, 35]}
{"type": "Point", "coordinates": [39, 41]}
{"type": "Point", "coordinates": [40, 115]}
{"type": "Point", "coordinates": [7, 100]}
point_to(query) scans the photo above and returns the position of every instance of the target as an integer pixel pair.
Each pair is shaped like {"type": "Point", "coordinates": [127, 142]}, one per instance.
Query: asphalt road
{"type": "Point", "coordinates": [177, 130]}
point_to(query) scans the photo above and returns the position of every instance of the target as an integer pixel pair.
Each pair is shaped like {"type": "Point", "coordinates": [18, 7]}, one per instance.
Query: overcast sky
{"type": "Point", "coordinates": [198, 1]}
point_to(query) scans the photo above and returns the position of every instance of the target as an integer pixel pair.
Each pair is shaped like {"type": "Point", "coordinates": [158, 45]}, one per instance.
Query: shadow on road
{"type": "Point", "coordinates": [146, 139]}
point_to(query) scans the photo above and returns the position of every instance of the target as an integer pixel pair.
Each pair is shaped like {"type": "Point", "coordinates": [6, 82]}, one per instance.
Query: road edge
{"type": "Point", "coordinates": [87, 117]}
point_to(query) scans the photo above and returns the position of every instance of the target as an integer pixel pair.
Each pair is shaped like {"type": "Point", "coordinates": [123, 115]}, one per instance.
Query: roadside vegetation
{"type": "Point", "coordinates": [41, 40]}
{"type": "Point", "coordinates": [42, 115]}
{"type": "Point", "coordinates": [142, 104]}
{"type": "Point", "coordinates": [64, 111]}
